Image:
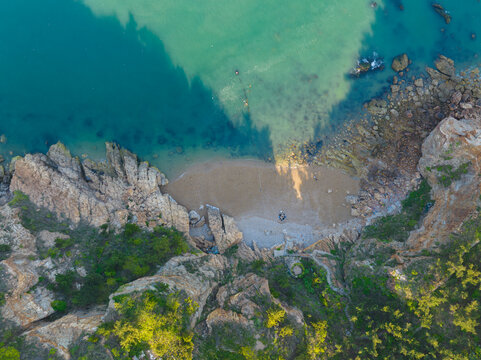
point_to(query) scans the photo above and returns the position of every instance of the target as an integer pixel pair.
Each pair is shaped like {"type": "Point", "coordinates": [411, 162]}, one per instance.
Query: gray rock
{"type": "Point", "coordinates": [445, 66]}
{"type": "Point", "coordinates": [98, 192]}
{"type": "Point", "coordinates": [224, 229]}
{"type": "Point", "coordinates": [419, 82]}
{"type": "Point", "coordinates": [194, 217]}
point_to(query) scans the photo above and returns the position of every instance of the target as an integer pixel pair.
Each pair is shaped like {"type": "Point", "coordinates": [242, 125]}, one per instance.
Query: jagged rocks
{"type": "Point", "coordinates": [22, 306]}
{"type": "Point", "coordinates": [224, 229]}
{"type": "Point", "coordinates": [98, 193]}
{"type": "Point", "coordinates": [452, 145]}
{"type": "Point", "coordinates": [61, 333]}
{"type": "Point", "coordinates": [400, 63]}
{"type": "Point", "coordinates": [196, 275]}
{"type": "Point", "coordinates": [247, 254]}
{"type": "Point", "coordinates": [445, 69]}
{"type": "Point", "coordinates": [241, 293]}
{"type": "Point", "coordinates": [445, 66]}
{"type": "Point", "coordinates": [219, 316]}
{"type": "Point", "coordinates": [194, 217]}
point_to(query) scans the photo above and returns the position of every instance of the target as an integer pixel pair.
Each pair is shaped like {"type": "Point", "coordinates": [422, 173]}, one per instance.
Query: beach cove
{"type": "Point", "coordinates": [313, 198]}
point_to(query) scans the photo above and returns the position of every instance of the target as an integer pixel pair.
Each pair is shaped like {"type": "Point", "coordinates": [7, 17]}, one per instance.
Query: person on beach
{"type": "Point", "coordinates": [282, 215]}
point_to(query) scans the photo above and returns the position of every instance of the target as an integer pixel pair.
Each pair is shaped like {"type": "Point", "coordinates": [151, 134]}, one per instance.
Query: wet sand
{"type": "Point", "coordinates": [253, 192]}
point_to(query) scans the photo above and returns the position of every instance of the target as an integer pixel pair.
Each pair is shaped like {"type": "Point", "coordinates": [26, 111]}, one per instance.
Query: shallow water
{"type": "Point", "coordinates": [158, 76]}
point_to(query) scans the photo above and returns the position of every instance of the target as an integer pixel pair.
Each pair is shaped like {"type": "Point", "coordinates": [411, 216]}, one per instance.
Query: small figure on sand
{"type": "Point", "coordinates": [237, 72]}
{"type": "Point", "coordinates": [282, 216]}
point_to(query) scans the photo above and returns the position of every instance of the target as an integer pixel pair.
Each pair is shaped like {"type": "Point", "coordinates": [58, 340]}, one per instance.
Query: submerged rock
{"type": "Point", "coordinates": [441, 11]}
{"type": "Point", "coordinates": [445, 66]}
{"type": "Point", "coordinates": [400, 63]}
{"type": "Point", "coordinates": [377, 107]}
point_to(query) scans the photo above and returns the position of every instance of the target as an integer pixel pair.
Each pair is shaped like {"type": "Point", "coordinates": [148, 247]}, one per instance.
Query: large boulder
{"type": "Point", "coordinates": [445, 69]}
{"type": "Point", "coordinates": [224, 229]}
{"type": "Point", "coordinates": [400, 63]}
{"type": "Point", "coordinates": [445, 66]}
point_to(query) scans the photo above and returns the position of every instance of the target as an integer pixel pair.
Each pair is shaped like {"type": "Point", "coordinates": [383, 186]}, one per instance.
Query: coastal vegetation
{"type": "Point", "coordinates": [154, 320]}
{"type": "Point", "coordinates": [397, 227]}
{"type": "Point", "coordinates": [447, 174]}
{"type": "Point", "coordinates": [433, 313]}
{"type": "Point", "coordinates": [101, 260]}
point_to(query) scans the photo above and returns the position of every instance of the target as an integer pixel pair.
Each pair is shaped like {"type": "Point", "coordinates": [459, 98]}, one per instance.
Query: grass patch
{"type": "Point", "coordinates": [397, 227]}
{"type": "Point", "coordinates": [18, 197]}
{"type": "Point", "coordinates": [448, 175]}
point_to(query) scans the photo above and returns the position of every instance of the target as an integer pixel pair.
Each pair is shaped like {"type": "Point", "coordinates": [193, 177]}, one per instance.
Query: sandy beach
{"type": "Point", "coordinates": [253, 192]}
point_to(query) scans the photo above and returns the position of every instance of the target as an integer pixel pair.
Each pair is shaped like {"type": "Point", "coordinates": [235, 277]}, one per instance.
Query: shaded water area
{"type": "Point", "coordinates": [179, 82]}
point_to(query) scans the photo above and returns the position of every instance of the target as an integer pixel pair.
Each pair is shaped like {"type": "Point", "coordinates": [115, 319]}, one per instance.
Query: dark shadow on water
{"type": "Point", "coordinates": [68, 75]}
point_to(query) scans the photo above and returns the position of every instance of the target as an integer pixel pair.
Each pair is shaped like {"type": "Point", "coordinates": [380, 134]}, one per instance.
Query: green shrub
{"type": "Point", "coordinates": [448, 175]}
{"type": "Point", "coordinates": [114, 259]}
{"type": "Point", "coordinates": [9, 353]}
{"type": "Point", "coordinates": [5, 248]}
{"type": "Point", "coordinates": [154, 320]}
{"type": "Point", "coordinates": [53, 253]}
{"type": "Point", "coordinates": [63, 243]}
{"type": "Point", "coordinates": [397, 227]}
{"type": "Point", "coordinates": [59, 305]}
{"type": "Point", "coordinates": [18, 198]}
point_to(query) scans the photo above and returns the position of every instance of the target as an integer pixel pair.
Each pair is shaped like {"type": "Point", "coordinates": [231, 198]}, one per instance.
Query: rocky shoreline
{"type": "Point", "coordinates": [428, 127]}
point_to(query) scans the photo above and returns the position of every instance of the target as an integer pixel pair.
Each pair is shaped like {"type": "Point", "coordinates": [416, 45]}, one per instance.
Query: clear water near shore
{"type": "Point", "coordinates": [159, 76]}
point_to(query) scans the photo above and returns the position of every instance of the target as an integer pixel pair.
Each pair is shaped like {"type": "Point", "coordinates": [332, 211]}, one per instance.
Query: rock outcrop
{"type": "Point", "coordinates": [22, 271]}
{"type": "Point", "coordinates": [98, 193]}
{"type": "Point", "coordinates": [62, 333]}
{"type": "Point", "coordinates": [196, 275]}
{"type": "Point", "coordinates": [240, 295]}
{"type": "Point", "coordinates": [451, 162]}
{"type": "Point", "coordinates": [224, 229]}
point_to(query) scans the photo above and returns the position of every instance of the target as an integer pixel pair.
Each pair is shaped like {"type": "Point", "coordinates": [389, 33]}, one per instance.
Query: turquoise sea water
{"type": "Point", "coordinates": [159, 76]}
